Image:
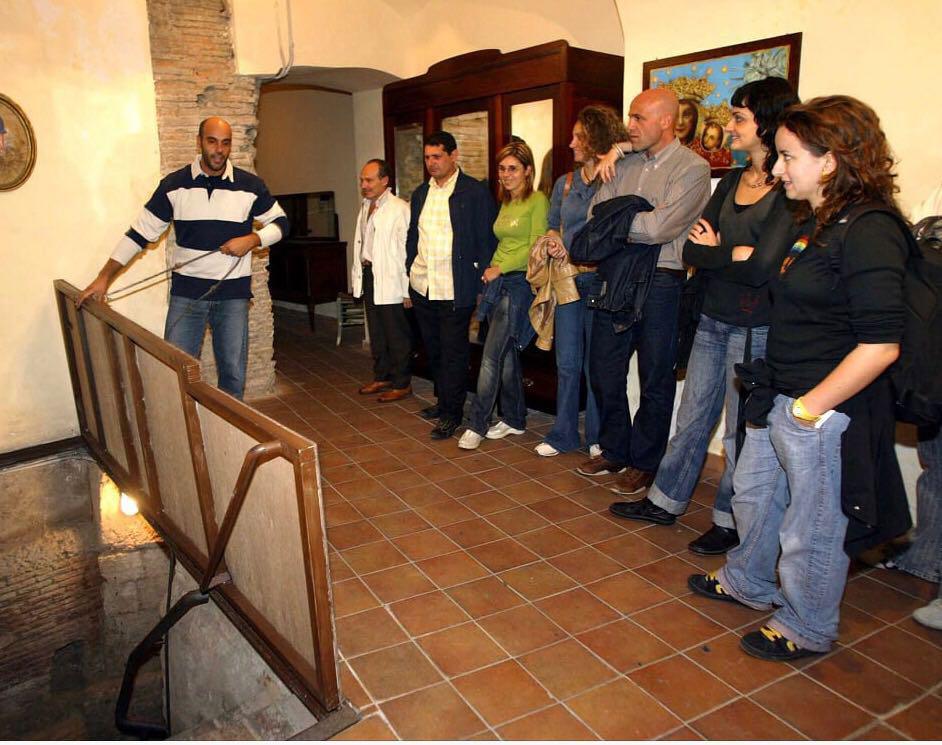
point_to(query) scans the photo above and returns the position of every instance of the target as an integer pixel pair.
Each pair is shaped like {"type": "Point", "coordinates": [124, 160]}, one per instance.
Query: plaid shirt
{"type": "Point", "coordinates": [431, 273]}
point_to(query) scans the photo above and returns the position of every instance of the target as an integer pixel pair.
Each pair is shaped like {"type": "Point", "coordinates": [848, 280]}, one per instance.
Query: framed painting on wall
{"type": "Point", "coordinates": [704, 82]}
{"type": "Point", "coordinates": [17, 145]}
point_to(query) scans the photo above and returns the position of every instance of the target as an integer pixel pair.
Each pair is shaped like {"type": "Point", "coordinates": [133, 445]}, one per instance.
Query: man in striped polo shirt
{"type": "Point", "coordinates": [213, 207]}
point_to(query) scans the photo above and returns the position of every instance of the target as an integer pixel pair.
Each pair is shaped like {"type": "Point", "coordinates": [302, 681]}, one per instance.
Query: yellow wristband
{"type": "Point", "coordinates": [800, 412]}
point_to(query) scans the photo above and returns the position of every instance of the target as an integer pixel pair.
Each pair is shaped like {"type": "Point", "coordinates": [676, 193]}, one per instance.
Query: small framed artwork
{"type": "Point", "coordinates": [704, 82]}
{"type": "Point", "coordinates": [17, 145]}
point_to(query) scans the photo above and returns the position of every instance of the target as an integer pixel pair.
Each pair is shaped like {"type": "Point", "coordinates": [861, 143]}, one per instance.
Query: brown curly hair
{"type": "Point", "coordinates": [850, 130]}
{"type": "Point", "coordinates": [603, 128]}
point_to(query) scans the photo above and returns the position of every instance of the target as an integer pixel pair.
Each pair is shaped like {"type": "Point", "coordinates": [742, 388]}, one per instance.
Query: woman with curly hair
{"type": "Point", "coordinates": [821, 448]}
{"type": "Point", "coordinates": [596, 130]}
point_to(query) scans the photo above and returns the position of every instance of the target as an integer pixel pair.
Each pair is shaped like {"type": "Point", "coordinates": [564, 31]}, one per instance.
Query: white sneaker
{"type": "Point", "coordinates": [546, 450]}
{"type": "Point", "coordinates": [930, 615]}
{"type": "Point", "coordinates": [501, 430]}
{"type": "Point", "coordinates": [470, 440]}
{"type": "Point", "coordinates": [595, 451]}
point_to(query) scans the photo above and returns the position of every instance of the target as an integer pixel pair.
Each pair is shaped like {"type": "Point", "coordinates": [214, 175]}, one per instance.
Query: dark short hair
{"type": "Point", "coordinates": [767, 99]}
{"type": "Point", "coordinates": [382, 167]}
{"type": "Point", "coordinates": [442, 138]}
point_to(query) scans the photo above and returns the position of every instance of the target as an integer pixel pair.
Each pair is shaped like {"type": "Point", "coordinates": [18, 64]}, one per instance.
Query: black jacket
{"type": "Point", "coordinates": [473, 212]}
{"type": "Point", "coordinates": [625, 269]}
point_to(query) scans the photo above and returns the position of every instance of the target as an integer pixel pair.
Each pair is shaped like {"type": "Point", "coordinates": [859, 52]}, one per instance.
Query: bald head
{"type": "Point", "coordinates": [651, 120]}
{"type": "Point", "coordinates": [214, 142]}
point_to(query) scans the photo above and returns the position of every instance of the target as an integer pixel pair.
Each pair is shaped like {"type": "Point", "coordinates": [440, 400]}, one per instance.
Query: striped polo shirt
{"type": "Point", "coordinates": [206, 211]}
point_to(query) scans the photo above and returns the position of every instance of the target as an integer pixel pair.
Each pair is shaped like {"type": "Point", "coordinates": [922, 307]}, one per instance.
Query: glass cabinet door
{"type": "Point", "coordinates": [410, 168]}
{"type": "Point", "coordinates": [470, 131]}
{"type": "Point", "coordinates": [533, 123]}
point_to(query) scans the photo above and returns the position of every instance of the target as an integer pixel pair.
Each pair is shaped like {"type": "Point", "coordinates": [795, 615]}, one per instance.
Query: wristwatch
{"type": "Point", "coordinates": [801, 413]}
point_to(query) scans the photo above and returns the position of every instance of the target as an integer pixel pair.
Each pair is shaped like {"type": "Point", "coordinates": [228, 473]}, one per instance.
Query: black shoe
{"type": "Point", "coordinates": [444, 430]}
{"type": "Point", "coordinates": [769, 644]}
{"type": "Point", "coordinates": [709, 586]}
{"type": "Point", "coordinates": [715, 541]}
{"type": "Point", "coordinates": [644, 510]}
{"type": "Point", "coordinates": [430, 412]}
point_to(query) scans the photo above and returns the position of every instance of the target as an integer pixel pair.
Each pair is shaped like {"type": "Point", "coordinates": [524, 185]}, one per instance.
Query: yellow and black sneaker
{"type": "Point", "coordinates": [769, 644]}
{"type": "Point", "coordinates": [709, 586]}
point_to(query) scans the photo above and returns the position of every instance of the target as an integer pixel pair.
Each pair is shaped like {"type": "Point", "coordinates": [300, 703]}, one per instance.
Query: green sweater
{"type": "Point", "coordinates": [517, 226]}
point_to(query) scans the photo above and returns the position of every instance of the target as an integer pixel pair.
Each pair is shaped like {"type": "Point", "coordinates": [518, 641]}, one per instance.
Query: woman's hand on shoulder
{"type": "Point", "coordinates": [702, 234]}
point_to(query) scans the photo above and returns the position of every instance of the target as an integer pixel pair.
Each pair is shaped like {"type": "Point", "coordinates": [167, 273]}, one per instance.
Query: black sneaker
{"type": "Point", "coordinates": [715, 541]}
{"type": "Point", "coordinates": [444, 430]}
{"type": "Point", "coordinates": [430, 412]}
{"type": "Point", "coordinates": [769, 644]}
{"type": "Point", "coordinates": [644, 510]}
{"type": "Point", "coordinates": [709, 586]}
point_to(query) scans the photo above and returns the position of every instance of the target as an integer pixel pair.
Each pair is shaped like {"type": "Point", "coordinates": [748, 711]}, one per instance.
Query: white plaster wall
{"type": "Point", "coordinates": [368, 138]}
{"type": "Point", "coordinates": [404, 37]}
{"type": "Point", "coordinates": [82, 73]}
{"type": "Point", "coordinates": [306, 143]}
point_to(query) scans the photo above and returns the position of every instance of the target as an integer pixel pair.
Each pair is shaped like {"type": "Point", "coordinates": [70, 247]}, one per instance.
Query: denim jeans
{"type": "Point", "coordinates": [229, 322]}
{"type": "Point", "coordinates": [500, 370]}
{"type": "Point", "coordinates": [642, 443]}
{"type": "Point", "coordinates": [787, 496]}
{"type": "Point", "coordinates": [710, 387]}
{"type": "Point", "coordinates": [923, 558]}
{"type": "Point", "coordinates": [573, 337]}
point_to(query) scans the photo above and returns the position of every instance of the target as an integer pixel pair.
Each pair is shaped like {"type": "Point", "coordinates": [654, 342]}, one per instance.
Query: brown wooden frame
{"type": "Point", "coordinates": [316, 686]}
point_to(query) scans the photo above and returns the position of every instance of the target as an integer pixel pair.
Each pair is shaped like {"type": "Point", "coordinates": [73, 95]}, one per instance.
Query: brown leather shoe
{"type": "Point", "coordinates": [598, 466]}
{"type": "Point", "coordinates": [633, 481]}
{"type": "Point", "coordinates": [375, 387]}
{"type": "Point", "coordinates": [394, 394]}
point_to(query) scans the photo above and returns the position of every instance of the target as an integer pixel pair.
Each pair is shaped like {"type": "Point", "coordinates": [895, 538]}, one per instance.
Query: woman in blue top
{"type": "Point", "coordinates": [596, 130]}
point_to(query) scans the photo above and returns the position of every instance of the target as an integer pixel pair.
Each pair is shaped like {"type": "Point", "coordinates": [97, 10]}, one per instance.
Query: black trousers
{"type": "Point", "coordinates": [390, 337]}
{"type": "Point", "coordinates": [445, 335]}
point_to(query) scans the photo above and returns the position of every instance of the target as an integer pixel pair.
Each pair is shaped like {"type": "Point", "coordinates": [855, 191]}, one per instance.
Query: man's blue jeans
{"type": "Point", "coordinates": [655, 338]}
{"type": "Point", "coordinates": [788, 497]}
{"type": "Point", "coordinates": [573, 337]}
{"type": "Point", "coordinates": [229, 322]}
{"type": "Point", "coordinates": [710, 386]}
{"type": "Point", "coordinates": [500, 369]}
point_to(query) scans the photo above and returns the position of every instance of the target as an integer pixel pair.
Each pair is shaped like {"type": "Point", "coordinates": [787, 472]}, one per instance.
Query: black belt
{"type": "Point", "coordinates": [366, 263]}
{"type": "Point", "coordinates": [676, 272]}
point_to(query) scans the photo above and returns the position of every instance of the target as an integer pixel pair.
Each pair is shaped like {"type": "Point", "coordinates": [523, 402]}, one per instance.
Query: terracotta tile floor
{"type": "Point", "coordinates": [489, 595]}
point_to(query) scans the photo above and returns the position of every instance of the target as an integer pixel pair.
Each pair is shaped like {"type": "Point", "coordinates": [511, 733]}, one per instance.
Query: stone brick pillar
{"type": "Point", "coordinates": [194, 77]}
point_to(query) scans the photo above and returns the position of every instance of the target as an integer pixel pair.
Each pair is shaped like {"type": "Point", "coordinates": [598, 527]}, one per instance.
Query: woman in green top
{"type": "Point", "coordinates": [507, 297]}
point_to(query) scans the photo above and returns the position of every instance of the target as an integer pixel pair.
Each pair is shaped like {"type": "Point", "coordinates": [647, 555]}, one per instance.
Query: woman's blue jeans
{"type": "Point", "coordinates": [923, 558]}
{"type": "Point", "coordinates": [709, 388]}
{"type": "Point", "coordinates": [788, 498]}
{"type": "Point", "coordinates": [500, 370]}
{"type": "Point", "coordinates": [573, 334]}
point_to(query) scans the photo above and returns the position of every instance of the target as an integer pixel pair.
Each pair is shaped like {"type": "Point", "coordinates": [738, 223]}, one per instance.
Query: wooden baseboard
{"type": "Point", "coordinates": [24, 455]}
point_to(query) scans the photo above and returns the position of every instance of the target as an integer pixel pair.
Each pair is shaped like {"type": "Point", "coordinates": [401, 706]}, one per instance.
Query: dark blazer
{"type": "Point", "coordinates": [473, 212]}
{"type": "Point", "coordinates": [625, 270]}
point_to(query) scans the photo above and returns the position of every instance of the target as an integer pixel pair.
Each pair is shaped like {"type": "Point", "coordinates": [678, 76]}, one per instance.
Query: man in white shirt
{"type": "Point", "coordinates": [379, 276]}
